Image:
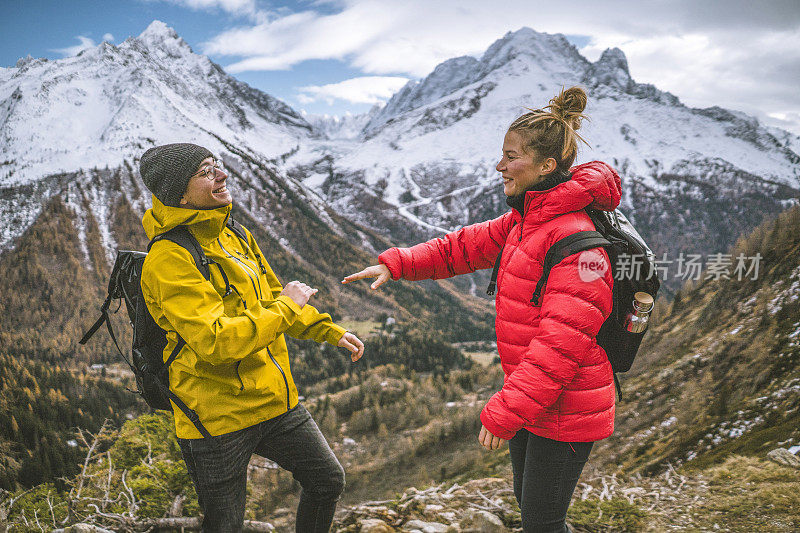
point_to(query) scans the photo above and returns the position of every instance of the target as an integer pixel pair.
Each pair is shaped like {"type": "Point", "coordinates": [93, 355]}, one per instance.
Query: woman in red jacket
{"type": "Point", "coordinates": [558, 394]}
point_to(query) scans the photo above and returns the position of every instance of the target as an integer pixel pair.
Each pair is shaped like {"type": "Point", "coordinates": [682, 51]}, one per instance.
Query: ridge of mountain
{"type": "Point", "coordinates": [347, 126]}
{"type": "Point", "coordinates": [522, 50]}
{"type": "Point", "coordinates": [107, 105]}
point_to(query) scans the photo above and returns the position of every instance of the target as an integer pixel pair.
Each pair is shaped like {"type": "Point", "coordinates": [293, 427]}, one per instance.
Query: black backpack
{"type": "Point", "coordinates": [149, 340]}
{"type": "Point", "coordinates": [618, 236]}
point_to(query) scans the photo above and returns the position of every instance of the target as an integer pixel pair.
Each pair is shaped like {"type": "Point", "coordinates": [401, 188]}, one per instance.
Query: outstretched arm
{"type": "Point", "coordinates": [469, 249]}
{"type": "Point", "coordinates": [379, 271]}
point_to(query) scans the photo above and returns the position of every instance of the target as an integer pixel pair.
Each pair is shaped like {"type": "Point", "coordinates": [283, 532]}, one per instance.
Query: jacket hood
{"type": "Point", "coordinates": [593, 184]}
{"type": "Point", "coordinates": [205, 224]}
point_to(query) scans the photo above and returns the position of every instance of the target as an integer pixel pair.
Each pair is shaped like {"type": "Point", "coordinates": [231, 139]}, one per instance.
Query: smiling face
{"type": "Point", "coordinates": [520, 168]}
{"type": "Point", "coordinates": [205, 193]}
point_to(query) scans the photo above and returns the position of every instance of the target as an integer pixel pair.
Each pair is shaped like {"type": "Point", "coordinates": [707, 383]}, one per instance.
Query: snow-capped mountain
{"type": "Point", "coordinates": [420, 165]}
{"type": "Point", "coordinates": [73, 131]}
{"type": "Point", "coordinates": [429, 155]}
{"type": "Point", "coordinates": [104, 107]}
{"type": "Point", "coordinates": [110, 102]}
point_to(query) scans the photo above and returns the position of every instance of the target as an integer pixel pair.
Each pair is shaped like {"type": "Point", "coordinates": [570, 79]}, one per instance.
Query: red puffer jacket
{"type": "Point", "coordinates": [558, 382]}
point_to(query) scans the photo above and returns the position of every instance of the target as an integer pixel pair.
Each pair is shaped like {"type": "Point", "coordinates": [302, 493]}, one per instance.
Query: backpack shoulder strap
{"type": "Point", "coordinates": [563, 248]}
{"type": "Point", "coordinates": [181, 236]}
{"type": "Point", "coordinates": [238, 229]}
{"type": "Point", "coordinates": [240, 232]}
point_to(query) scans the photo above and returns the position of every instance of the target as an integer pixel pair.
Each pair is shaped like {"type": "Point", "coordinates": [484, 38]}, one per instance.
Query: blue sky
{"type": "Point", "coordinates": [338, 56]}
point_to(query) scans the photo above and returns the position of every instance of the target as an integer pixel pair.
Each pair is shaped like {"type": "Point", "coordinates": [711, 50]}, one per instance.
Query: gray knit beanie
{"type": "Point", "coordinates": [166, 169]}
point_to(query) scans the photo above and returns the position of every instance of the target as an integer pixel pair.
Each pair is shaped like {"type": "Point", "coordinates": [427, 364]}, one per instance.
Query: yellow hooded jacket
{"type": "Point", "coordinates": [234, 369]}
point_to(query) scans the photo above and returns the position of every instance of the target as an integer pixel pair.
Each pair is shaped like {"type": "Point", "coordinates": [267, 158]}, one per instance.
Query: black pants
{"type": "Point", "coordinates": [292, 440]}
{"type": "Point", "coordinates": [546, 472]}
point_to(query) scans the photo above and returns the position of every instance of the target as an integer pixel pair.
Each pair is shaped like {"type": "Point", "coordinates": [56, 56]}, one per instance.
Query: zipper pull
{"type": "Point", "coordinates": [260, 264]}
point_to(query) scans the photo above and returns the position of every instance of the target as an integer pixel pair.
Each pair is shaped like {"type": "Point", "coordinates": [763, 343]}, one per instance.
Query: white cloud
{"type": "Point", "coordinates": [85, 44]}
{"type": "Point", "coordinates": [376, 36]}
{"type": "Point", "coordinates": [69, 51]}
{"type": "Point", "coordinates": [235, 7]}
{"type": "Point", "coordinates": [363, 90]}
{"type": "Point", "coordinates": [717, 68]}
{"type": "Point", "coordinates": [282, 42]}
{"type": "Point", "coordinates": [738, 54]}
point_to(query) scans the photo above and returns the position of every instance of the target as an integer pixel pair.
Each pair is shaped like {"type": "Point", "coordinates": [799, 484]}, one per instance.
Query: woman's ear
{"type": "Point", "coordinates": [549, 165]}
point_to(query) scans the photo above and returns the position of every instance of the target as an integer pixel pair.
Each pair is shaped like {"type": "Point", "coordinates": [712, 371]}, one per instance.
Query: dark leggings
{"type": "Point", "coordinates": [546, 472]}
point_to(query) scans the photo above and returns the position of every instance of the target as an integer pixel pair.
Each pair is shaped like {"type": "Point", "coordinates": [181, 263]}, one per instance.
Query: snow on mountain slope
{"type": "Point", "coordinates": [66, 126]}
{"type": "Point", "coordinates": [344, 127]}
{"type": "Point", "coordinates": [111, 102]}
{"type": "Point", "coordinates": [432, 149]}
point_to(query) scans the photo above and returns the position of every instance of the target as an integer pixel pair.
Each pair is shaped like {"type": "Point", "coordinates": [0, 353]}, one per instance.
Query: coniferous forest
{"type": "Point", "coordinates": [42, 401]}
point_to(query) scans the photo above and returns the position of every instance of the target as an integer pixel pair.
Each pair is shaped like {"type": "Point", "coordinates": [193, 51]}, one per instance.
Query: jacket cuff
{"type": "Point", "coordinates": [288, 302]}
{"type": "Point", "coordinates": [335, 334]}
{"type": "Point", "coordinates": [391, 258]}
{"type": "Point", "coordinates": [494, 428]}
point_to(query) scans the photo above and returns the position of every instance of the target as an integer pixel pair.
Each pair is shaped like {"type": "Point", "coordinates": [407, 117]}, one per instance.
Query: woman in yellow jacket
{"type": "Point", "coordinates": [234, 369]}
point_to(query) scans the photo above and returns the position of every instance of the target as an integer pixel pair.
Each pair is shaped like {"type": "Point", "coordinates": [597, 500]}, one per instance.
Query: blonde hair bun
{"type": "Point", "coordinates": [552, 133]}
{"type": "Point", "coordinates": [568, 106]}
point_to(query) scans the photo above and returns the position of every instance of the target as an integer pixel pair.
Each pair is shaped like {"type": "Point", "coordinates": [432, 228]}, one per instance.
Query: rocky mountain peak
{"type": "Point", "coordinates": [123, 99]}
{"type": "Point", "coordinates": [613, 59]}
{"type": "Point", "coordinates": [610, 70]}
{"type": "Point", "coordinates": [549, 53]}
{"type": "Point", "coordinates": [543, 47]}
{"type": "Point", "coordinates": [610, 73]}
{"type": "Point", "coordinates": [341, 127]}
{"type": "Point", "coordinates": [158, 31]}
{"type": "Point", "coordinates": [446, 78]}
{"type": "Point", "coordinates": [22, 61]}
{"type": "Point", "coordinates": [459, 67]}
{"type": "Point", "coordinates": [160, 36]}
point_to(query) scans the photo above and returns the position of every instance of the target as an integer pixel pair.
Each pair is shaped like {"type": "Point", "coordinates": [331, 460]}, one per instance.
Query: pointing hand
{"type": "Point", "coordinates": [380, 271]}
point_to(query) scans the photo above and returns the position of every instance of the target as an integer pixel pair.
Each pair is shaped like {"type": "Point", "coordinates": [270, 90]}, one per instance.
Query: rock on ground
{"type": "Point", "coordinates": [784, 457]}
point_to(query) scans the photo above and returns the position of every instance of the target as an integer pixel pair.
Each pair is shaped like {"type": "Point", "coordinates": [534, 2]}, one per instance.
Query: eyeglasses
{"type": "Point", "coordinates": [210, 172]}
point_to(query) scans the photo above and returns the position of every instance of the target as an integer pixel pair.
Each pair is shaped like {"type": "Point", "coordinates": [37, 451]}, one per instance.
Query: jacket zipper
{"type": "Point", "coordinates": [285, 381]}
{"type": "Point", "coordinates": [522, 218]}
{"type": "Point", "coordinates": [521, 227]}
{"type": "Point", "coordinates": [241, 383]}
{"type": "Point", "coordinates": [246, 269]}
{"type": "Point", "coordinates": [251, 264]}
{"type": "Point", "coordinates": [240, 295]}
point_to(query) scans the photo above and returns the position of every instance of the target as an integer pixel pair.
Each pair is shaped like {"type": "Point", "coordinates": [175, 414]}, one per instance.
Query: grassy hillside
{"type": "Point", "coordinates": [408, 445]}
{"type": "Point", "coordinates": [719, 371]}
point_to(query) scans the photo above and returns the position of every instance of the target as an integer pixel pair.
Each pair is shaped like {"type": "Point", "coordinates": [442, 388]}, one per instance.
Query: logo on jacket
{"type": "Point", "coordinates": [591, 266]}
